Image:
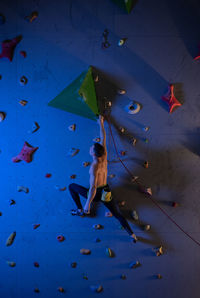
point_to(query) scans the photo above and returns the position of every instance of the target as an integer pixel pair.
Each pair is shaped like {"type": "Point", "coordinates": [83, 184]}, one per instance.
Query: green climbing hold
{"type": "Point", "coordinates": [79, 97]}
{"type": "Point", "coordinates": [125, 4]}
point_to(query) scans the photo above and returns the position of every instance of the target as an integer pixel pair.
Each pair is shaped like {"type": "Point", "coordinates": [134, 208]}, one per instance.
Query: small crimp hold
{"type": "Point", "coordinates": [111, 176]}
{"type": "Point", "coordinates": [134, 264]}
{"type": "Point", "coordinates": [48, 175]}
{"type": "Point", "coordinates": [61, 290]}
{"type": "Point", "coordinates": [23, 80]}
{"type": "Point", "coordinates": [32, 16]}
{"type": "Point", "coordinates": [23, 102]}
{"type": "Point", "coordinates": [11, 239]}
{"type": "Point", "coordinates": [123, 276]}
{"type": "Point", "coordinates": [121, 91]}
{"type": "Point", "coordinates": [35, 127]}
{"type": "Point", "coordinates": [134, 141]}
{"type": "Point", "coordinates": [36, 290]}
{"type": "Point", "coordinates": [36, 264]}
{"type": "Point", "coordinates": [134, 215]}
{"type": "Point", "coordinates": [23, 54]}
{"type": "Point", "coordinates": [122, 41]}
{"type": "Point", "coordinates": [122, 203]}
{"type": "Point", "coordinates": [73, 176]}
{"type": "Point", "coordinates": [159, 276]}
{"type": "Point", "coordinates": [110, 253]}
{"type": "Point", "coordinates": [108, 214]}
{"type": "Point", "coordinates": [12, 202]}
{"type": "Point", "coordinates": [22, 188]}
{"type": "Point", "coordinates": [96, 79]}
{"type": "Point", "coordinates": [11, 264]}
{"type": "Point", "coordinates": [97, 289]}
{"type": "Point", "coordinates": [86, 164]}
{"type": "Point", "coordinates": [36, 226]}
{"type": "Point", "coordinates": [73, 264]}
{"type": "Point", "coordinates": [158, 250]}
{"type": "Point", "coordinates": [122, 153]}
{"type": "Point", "coordinates": [175, 204]}
{"type": "Point", "coordinates": [60, 238]}
{"type": "Point", "coordinates": [147, 227]}
{"type": "Point", "coordinates": [146, 164]}
{"type": "Point", "coordinates": [60, 188]}
{"type": "Point", "coordinates": [72, 127]}
{"type": "Point", "coordinates": [73, 151]}
{"type": "Point", "coordinates": [122, 129]}
{"type": "Point", "coordinates": [85, 251]}
{"type": "Point", "coordinates": [145, 128]}
{"type": "Point", "coordinates": [97, 227]}
{"type": "Point", "coordinates": [2, 116]}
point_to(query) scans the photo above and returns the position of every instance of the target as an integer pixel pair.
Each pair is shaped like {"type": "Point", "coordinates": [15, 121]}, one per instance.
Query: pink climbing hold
{"type": "Point", "coordinates": [8, 47]}
{"type": "Point", "coordinates": [25, 154]}
{"type": "Point", "coordinates": [170, 99]}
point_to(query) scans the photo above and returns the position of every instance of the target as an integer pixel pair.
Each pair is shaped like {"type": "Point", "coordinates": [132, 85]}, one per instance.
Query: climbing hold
{"type": "Point", "coordinates": [23, 80]}
{"type": "Point", "coordinates": [86, 164]}
{"type": "Point", "coordinates": [122, 129]}
{"type": "Point", "coordinates": [134, 178]}
{"type": "Point", "coordinates": [22, 188]}
{"type": "Point", "coordinates": [85, 251]}
{"type": "Point", "coordinates": [105, 44]}
{"type": "Point", "coordinates": [73, 264]}
{"type": "Point", "coordinates": [175, 204]}
{"type": "Point", "coordinates": [121, 91]}
{"type": "Point", "coordinates": [159, 276]}
{"type": "Point", "coordinates": [97, 240]}
{"type": "Point", "coordinates": [97, 227]}
{"type": "Point", "coordinates": [122, 41]}
{"type": "Point", "coordinates": [60, 289]}
{"type": "Point", "coordinates": [109, 252]}
{"type": "Point", "coordinates": [2, 116]}
{"type": "Point", "coordinates": [12, 202]}
{"type": "Point", "coordinates": [123, 276]}
{"type": "Point", "coordinates": [134, 215]}
{"type": "Point", "coordinates": [36, 226]}
{"type": "Point", "coordinates": [60, 238]}
{"type": "Point", "coordinates": [73, 151]}
{"type": "Point", "coordinates": [85, 277]}
{"type": "Point", "coordinates": [11, 264]}
{"type": "Point", "coordinates": [8, 47]}
{"type": "Point", "coordinates": [2, 19]}
{"type": "Point", "coordinates": [146, 140]}
{"type": "Point", "coordinates": [60, 188]}
{"type": "Point", "coordinates": [108, 214]}
{"type": "Point", "coordinates": [158, 250]}
{"type": "Point", "coordinates": [122, 153]}
{"type": "Point", "coordinates": [10, 239]}
{"type": "Point", "coordinates": [111, 176]}
{"type": "Point", "coordinates": [134, 264]}
{"type": "Point", "coordinates": [133, 108]}
{"type": "Point", "coordinates": [36, 264]}
{"type": "Point", "coordinates": [146, 164]}
{"type": "Point", "coordinates": [122, 203]}
{"type": "Point", "coordinates": [97, 289]}
{"type": "Point", "coordinates": [72, 127]}
{"type": "Point", "coordinates": [32, 16]}
{"type": "Point", "coordinates": [147, 227]}
{"type": "Point", "coordinates": [170, 99]}
{"type": "Point", "coordinates": [25, 154]}
{"type": "Point", "coordinates": [34, 128]}
{"type": "Point", "coordinates": [108, 104]}
{"type": "Point", "coordinates": [73, 176]}
{"type": "Point", "coordinates": [23, 54]}
{"type": "Point", "coordinates": [1, 213]}
{"type": "Point", "coordinates": [36, 290]}
{"type": "Point", "coordinates": [48, 175]}
{"type": "Point", "coordinates": [0, 77]}
{"type": "Point", "coordinates": [134, 141]}
{"type": "Point", "coordinates": [23, 102]}
{"type": "Point", "coordinates": [96, 140]}
{"type": "Point", "coordinates": [147, 191]}
{"type": "Point", "coordinates": [96, 79]}
{"type": "Point", "coordinates": [145, 128]}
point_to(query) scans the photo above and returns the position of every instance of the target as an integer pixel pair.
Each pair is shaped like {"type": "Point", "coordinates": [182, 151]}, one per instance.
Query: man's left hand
{"type": "Point", "coordinates": [86, 209]}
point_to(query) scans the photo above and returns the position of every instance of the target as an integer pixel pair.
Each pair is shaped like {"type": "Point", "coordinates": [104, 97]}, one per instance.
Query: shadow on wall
{"type": "Point", "coordinates": [166, 181]}
{"type": "Point", "coordinates": [186, 16]}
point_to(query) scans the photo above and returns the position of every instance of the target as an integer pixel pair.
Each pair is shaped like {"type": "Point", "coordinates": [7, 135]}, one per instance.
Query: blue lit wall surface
{"type": "Point", "coordinates": [64, 40]}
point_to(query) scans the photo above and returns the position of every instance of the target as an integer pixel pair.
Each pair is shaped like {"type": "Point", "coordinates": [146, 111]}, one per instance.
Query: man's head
{"type": "Point", "coordinates": [97, 150]}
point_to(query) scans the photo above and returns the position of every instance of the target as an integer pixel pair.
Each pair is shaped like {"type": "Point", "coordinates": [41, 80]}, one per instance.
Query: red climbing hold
{"type": "Point", "coordinates": [60, 238]}
{"type": "Point", "coordinates": [48, 175]}
{"type": "Point", "coordinates": [25, 154]}
{"type": "Point", "coordinates": [36, 226]}
{"type": "Point", "coordinates": [8, 47]}
{"type": "Point", "coordinates": [170, 99]}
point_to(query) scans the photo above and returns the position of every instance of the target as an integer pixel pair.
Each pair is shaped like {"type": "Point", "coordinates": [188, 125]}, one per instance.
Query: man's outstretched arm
{"type": "Point", "coordinates": [92, 189]}
{"type": "Point", "coordinates": [102, 133]}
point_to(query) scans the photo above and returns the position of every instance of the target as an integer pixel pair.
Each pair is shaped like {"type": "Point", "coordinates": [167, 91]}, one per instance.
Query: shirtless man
{"type": "Point", "coordinates": [99, 189]}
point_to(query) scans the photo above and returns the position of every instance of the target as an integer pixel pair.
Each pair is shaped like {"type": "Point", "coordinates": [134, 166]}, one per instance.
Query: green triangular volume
{"type": "Point", "coordinates": [125, 4]}
{"type": "Point", "coordinates": [79, 97]}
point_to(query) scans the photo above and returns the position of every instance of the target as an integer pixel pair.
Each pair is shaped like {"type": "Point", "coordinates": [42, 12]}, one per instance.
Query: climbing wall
{"type": "Point", "coordinates": [146, 76]}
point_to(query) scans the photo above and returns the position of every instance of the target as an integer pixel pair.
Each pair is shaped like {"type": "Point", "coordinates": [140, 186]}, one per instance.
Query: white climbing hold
{"type": "Point", "coordinates": [134, 141]}
{"type": "Point", "coordinates": [147, 227]}
{"type": "Point", "coordinates": [97, 288]}
{"type": "Point", "coordinates": [134, 215]}
{"type": "Point", "coordinates": [122, 129]}
{"type": "Point", "coordinates": [22, 188]}
{"type": "Point", "coordinates": [133, 108]}
{"type": "Point", "coordinates": [145, 128]}
{"type": "Point", "coordinates": [72, 127]}
{"type": "Point", "coordinates": [121, 91]}
{"type": "Point", "coordinates": [73, 151]}
{"type": "Point", "coordinates": [96, 79]}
